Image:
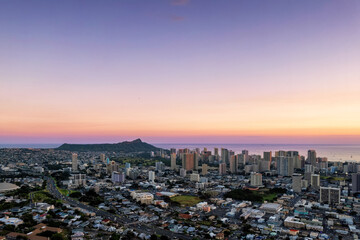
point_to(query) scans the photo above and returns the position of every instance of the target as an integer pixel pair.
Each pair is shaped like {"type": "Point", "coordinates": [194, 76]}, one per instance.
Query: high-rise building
{"type": "Point", "coordinates": [312, 157]}
{"type": "Point", "coordinates": [315, 181]}
{"type": "Point", "coordinates": [74, 162]}
{"type": "Point", "coordinates": [231, 153]}
{"type": "Point", "coordinates": [292, 153]}
{"type": "Point", "coordinates": [196, 160]}
{"type": "Point", "coordinates": [112, 167]}
{"type": "Point", "coordinates": [245, 153]}
{"type": "Point", "coordinates": [329, 195]}
{"type": "Point", "coordinates": [264, 165]}
{"type": "Point", "coordinates": [322, 163]}
{"type": "Point", "coordinates": [133, 174]}
{"type": "Point", "coordinates": [160, 166]}
{"type": "Point", "coordinates": [355, 182]}
{"type": "Point", "coordinates": [127, 165]}
{"type": "Point", "coordinates": [172, 150]}
{"type": "Point", "coordinates": [216, 151]}
{"type": "Point", "coordinates": [249, 168]}
{"type": "Point", "coordinates": [151, 176]}
{"type": "Point", "coordinates": [296, 182]}
{"type": "Point", "coordinates": [102, 158]}
{"type": "Point", "coordinates": [205, 156]}
{"type": "Point", "coordinates": [297, 162]}
{"type": "Point", "coordinates": [222, 168]}
{"type": "Point", "coordinates": [285, 166]}
{"type": "Point", "coordinates": [302, 162]}
{"type": "Point", "coordinates": [117, 177]}
{"type": "Point", "coordinates": [309, 169]}
{"type": "Point", "coordinates": [233, 164]}
{"type": "Point", "coordinates": [204, 169]}
{"type": "Point", "coordinates": [241, 159]}
{"type": "Point", "coordinates": [280, 153]}
{"type": "Point", "coordinates": [173, 161]}
{"type": "Point", "coordinates": [256, 179]}
{"type": "Point", "coordinates": [188, 161]}
{"type": "Point", "coordinates": [225, 155]}
{"type": "Point", "coordinates": [78, 179]}
{"type": "Point", "coordinates": [268, 156]}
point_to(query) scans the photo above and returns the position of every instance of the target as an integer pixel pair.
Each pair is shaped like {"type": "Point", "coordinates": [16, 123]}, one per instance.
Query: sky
{"type": "Point", "coordinates": [180, 71]}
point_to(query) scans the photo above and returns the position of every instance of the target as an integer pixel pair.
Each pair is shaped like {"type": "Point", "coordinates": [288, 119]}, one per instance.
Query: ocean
{"type": "Point", "coordinates": [334, 152]}
{"type": "Point", "coordinates": [36, 145]}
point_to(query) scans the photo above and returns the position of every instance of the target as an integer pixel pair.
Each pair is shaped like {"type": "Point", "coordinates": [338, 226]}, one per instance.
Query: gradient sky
{"type": "Point", "coordinates": [283, 71]}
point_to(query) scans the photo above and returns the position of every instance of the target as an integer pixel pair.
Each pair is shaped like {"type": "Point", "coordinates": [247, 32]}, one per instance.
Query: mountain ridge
{"type": "Point", "coordinates": [127, 147]}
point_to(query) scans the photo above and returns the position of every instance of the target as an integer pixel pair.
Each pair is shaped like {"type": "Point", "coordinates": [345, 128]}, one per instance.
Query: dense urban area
{"type": "Point", "coordinates": [176, 194]}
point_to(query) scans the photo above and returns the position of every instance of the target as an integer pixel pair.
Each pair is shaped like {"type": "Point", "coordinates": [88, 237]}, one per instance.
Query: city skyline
{"type": "Point", "coordinates": [180, 72]}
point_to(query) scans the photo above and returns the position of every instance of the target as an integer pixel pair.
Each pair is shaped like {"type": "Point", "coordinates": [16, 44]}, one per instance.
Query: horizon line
{"type": "Point", "coordinates": [182, 143]}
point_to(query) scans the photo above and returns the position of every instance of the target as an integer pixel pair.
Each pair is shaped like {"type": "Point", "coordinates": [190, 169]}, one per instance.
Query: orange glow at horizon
{"type": "Point", "coordinates": [247, 69]}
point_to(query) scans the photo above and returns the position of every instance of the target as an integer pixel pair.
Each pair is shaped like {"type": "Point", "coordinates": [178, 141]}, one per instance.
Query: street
{"type": "Point", "coordinates": [51, 186]}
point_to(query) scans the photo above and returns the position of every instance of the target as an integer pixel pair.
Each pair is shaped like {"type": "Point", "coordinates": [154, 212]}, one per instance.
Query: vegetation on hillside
{"type": "Point", "coordinates": [126, 147]}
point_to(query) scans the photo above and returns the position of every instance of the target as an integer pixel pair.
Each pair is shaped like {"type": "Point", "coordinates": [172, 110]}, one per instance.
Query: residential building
{"type": "Point", "coordinates": [194, 177]}
{"type": "Point", "coordinates": [233, 164]}
{"type": "Point", "coordinates": [329, 195]}
{"type": "Point", "coordinates": [285, 166]}
{"type": "Point", "coordinates": [256, 179]}
{"type": "Point", "coordinates": [173, 161]}
{"type": "Point", "coordinates": [355, 182]}
{"type": "Point", "coordinates": [204, 169]}
{"type": "Point", "coordinates": [74, 162]}
{"type": "Point", "coordinates": [117, 177]}
{"type": "Point", "coordinates": [151, 176]}
{"type": "Point", "coordinates": [315, 181]}
{"type": "Point", "coordinates": [225, 155]}
{"type": "Point", "coordinates": [188, 161]}
{"type": "Point", "coordinates": [312, 157]}
{"type": "Point", "coordinates": [182, 172]}
{"type": "Point", "coordinates": [296, 182]}
{"type": "Point", "coordinates": [222, 168]}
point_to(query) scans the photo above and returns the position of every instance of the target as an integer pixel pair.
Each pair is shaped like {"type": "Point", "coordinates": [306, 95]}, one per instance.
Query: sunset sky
{"type": "Point", "coordinates": [284, 71]}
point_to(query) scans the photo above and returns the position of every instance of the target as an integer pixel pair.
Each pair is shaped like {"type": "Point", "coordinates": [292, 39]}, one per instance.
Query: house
{"type": "Point", "coordinates": [34, 234]}
{"type": "Point", "coordinates": [220, 235]}
{"type": "Point", "coordinates": [77, 236]}
{"type": "Point", "coordinates": [11, 221]}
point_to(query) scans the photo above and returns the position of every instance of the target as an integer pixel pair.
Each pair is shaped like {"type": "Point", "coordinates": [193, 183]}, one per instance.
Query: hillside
{"type": "Point", "coordinates": [126, 147]}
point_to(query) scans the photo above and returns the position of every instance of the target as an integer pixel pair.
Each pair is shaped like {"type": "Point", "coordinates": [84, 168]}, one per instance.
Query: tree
{"type": "Point", "coordinates": [246, 228]}
{"type": "Point", "coordinates": [44, 184]}
{"type": "Point", "coordinates": [75, 195]}
{"type": "Point", "coordinates": [153, 237]}
{"type": "Point", "coordinates": [21, 238]}
{"type": "Point", "coordinates": [10, 228]}
{"type": "Point", "coordinates": [115, 236]}
{"type": "Point", "coordinates": [57, 236]}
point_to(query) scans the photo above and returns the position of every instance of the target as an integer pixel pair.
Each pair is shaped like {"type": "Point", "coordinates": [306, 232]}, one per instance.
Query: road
{"type": "Point", "coordinates": [143, 228]}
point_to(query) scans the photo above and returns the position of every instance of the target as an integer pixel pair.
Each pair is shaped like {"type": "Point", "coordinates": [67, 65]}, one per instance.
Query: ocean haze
{"type": "Point", "coordinates": [334, 152]}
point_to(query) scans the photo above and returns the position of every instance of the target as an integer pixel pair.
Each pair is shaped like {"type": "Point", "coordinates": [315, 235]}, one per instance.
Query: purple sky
{"type": "Point", "coordinates": [180, 71]}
